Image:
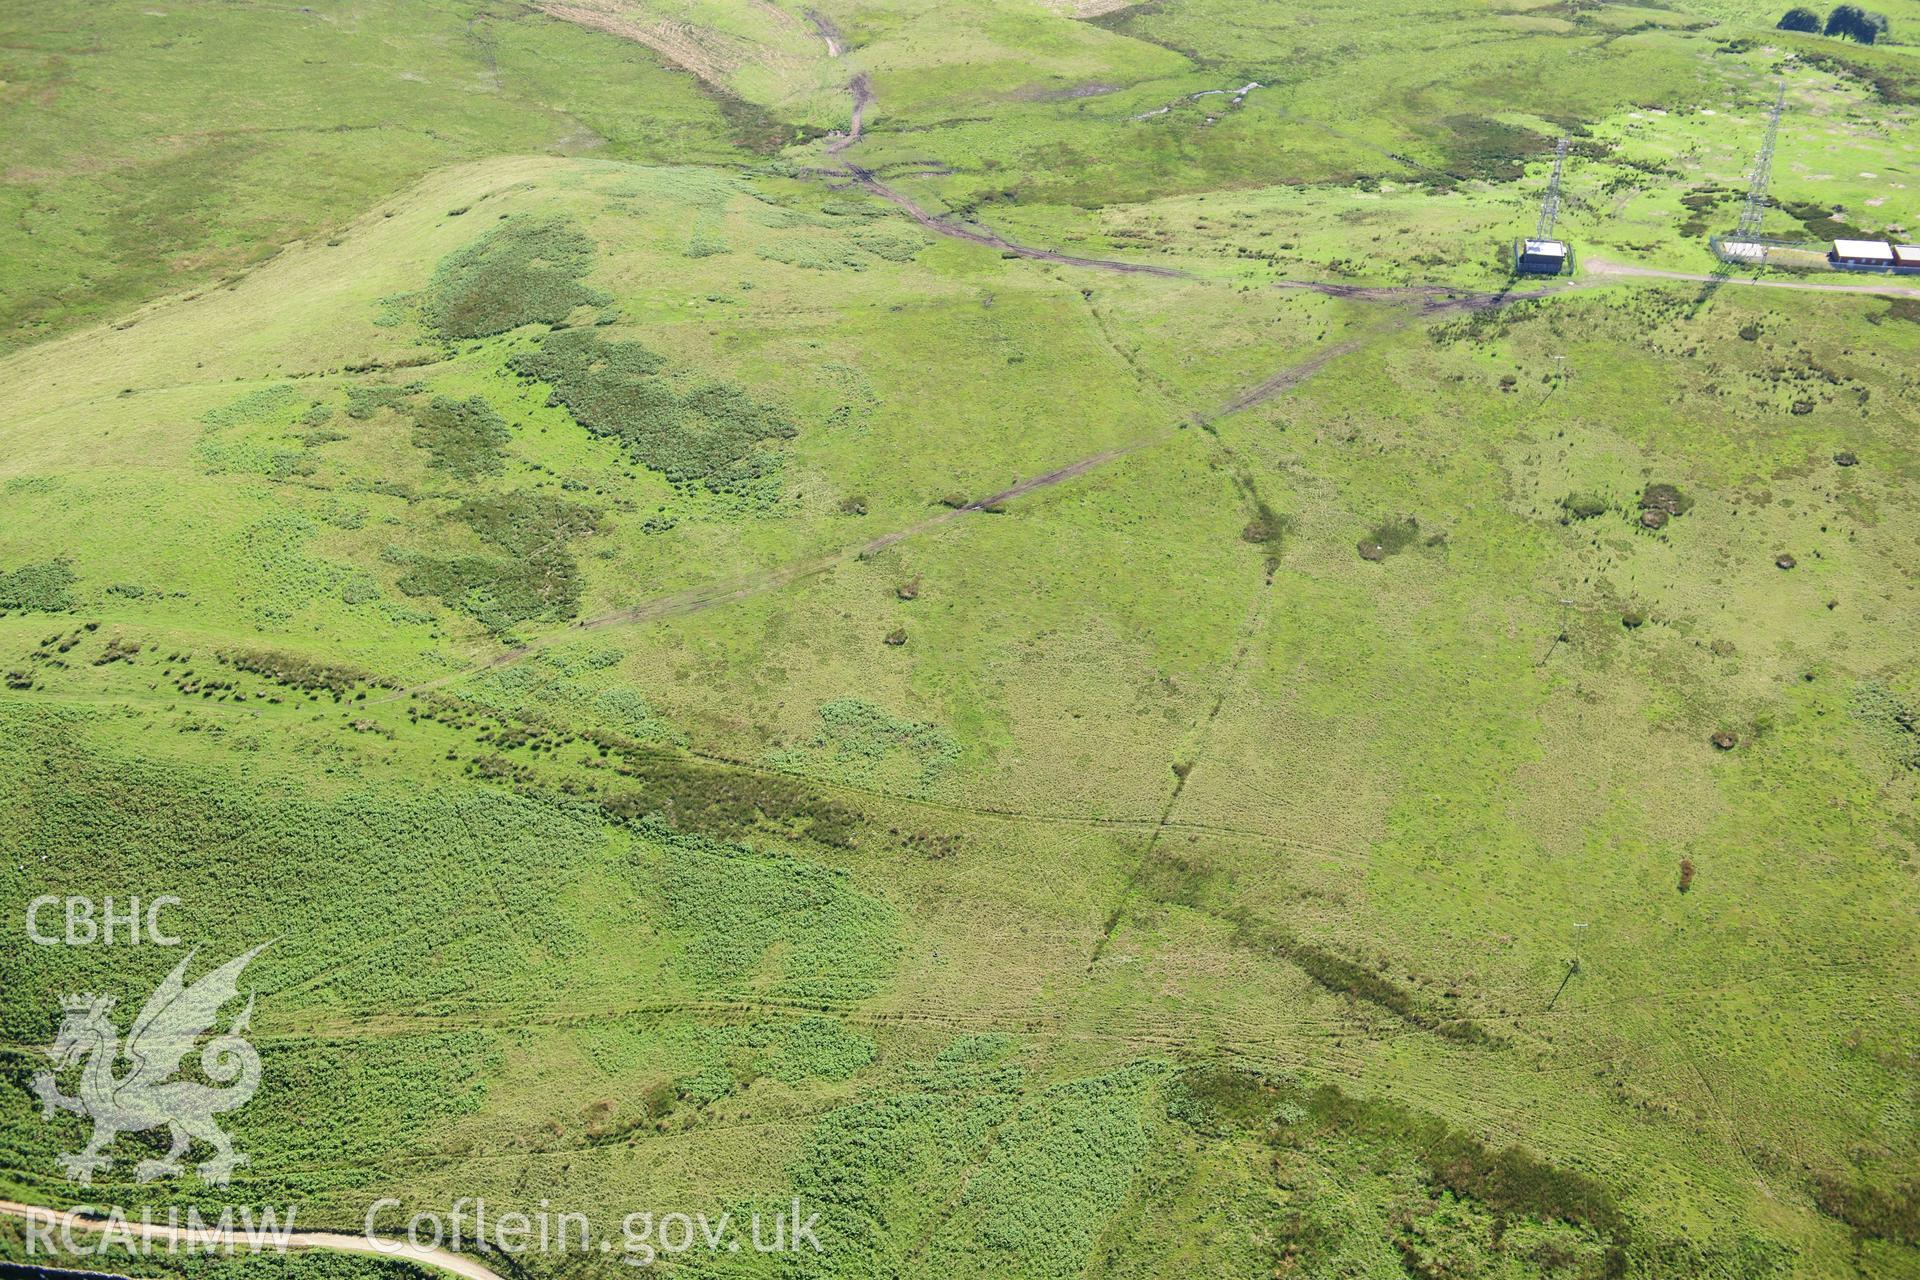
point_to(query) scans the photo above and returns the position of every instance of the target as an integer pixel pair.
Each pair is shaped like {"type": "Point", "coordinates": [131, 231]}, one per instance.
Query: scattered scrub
{"type": "Point", "coordinates": [860, 740]}
{"type": "Point", "coordinates": [303, 674]}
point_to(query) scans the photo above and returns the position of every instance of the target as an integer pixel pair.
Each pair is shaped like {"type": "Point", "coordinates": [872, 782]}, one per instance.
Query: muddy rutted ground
{"type": "Point", "coordinates": [824, 28]}
{"type": "Point", "coordinates": [861, 87]}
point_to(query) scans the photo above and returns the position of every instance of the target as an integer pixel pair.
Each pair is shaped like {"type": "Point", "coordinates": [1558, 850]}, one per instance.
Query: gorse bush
{"type": "Point", "coordinates": [712, 435]}
{"type": "Point", "coordinates": [525, 270]}
{"type": "Point", "coordinates": [462, 437]}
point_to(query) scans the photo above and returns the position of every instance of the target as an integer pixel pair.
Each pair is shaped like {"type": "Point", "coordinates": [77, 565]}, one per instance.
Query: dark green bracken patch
{"type": "Point", "coordinates": [728, 803]}
{"type": "Point", "coordinates": [1702, 206]}
{"type": "Point", "coordinates": [1338, 974]}
{"type": "Point", "coordinates": [713, 434]}
{"type": "Point", "coordinates": [1479, 147]}
{"type": "Point", "coordinates": [526, 270]}
{"type": "Point", "coordinates": [1884, 1215]}
{"type": "Point", "coordinates": [534, 576]}
{"type": "Point", "coordinates": [1819, 220]}
{"type": "Point", "coordinates": [37, 588]}
{"type": "Point", "coordinates": [1512, 1183]}
{"type": "Point", "coordinates": [463, 437]}
{"type": "Point", "coordinates": [1584, 506]}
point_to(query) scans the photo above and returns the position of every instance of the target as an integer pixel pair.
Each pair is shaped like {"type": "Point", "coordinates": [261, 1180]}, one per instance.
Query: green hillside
{"type": "Point", "coordinates": [1081, 690]}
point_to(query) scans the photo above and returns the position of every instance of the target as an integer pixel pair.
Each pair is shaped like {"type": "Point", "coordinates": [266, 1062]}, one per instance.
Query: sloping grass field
{"type": "Point", "coordinates": [1087, 690]}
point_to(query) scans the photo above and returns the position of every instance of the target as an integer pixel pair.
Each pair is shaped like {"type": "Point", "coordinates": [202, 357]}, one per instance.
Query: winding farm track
{"type": "Point", "coordinates": [861, 89]}
{"type": "Point", "coordinates": [333, 1241]}
{"type": "Point", "coordinates": [993, 240]}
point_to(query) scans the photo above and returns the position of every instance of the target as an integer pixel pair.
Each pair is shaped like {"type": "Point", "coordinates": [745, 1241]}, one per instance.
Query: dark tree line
{"type": "Point", "coordinates": [1850, 21]}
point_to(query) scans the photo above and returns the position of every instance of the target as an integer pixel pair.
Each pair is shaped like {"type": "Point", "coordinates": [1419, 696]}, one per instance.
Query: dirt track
{"type": "Point", "coordinates": [1438, 297]}
{"type": "Point", "coordinates": [861, 87]}
{"type": "Point", "coordinates": [1601, 267]}
{"type": "Point", "coordinates": [334, 1241]}
{"type": "Point", "coordinates": [824, 28]}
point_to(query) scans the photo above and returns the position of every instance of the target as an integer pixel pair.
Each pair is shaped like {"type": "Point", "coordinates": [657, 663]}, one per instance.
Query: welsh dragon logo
{"type": "Point", "coordinates": [148, 1095]}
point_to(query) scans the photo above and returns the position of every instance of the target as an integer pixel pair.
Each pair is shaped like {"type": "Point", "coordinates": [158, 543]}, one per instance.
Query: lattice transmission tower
{"type": "Point", "coordinates": [1755, 212]}
{"type": "Point", "coordinates": [1550, 207]}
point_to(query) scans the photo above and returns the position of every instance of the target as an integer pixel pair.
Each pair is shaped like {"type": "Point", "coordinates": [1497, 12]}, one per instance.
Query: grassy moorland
{"type": "Point", "coordinates": [736, 662]}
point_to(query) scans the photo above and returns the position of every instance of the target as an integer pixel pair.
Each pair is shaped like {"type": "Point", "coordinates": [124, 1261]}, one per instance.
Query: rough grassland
{"type": "Point", "coordinates": [1304, 765]}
